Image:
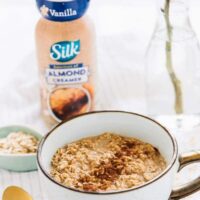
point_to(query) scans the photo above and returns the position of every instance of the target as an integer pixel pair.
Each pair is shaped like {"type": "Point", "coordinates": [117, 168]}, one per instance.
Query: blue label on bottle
{"type": "Point", "coordinates": [62, 10]}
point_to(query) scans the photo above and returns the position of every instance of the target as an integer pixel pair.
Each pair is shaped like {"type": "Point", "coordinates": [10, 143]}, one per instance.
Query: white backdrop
{"type": "Point", "coordinates": [124, 29]}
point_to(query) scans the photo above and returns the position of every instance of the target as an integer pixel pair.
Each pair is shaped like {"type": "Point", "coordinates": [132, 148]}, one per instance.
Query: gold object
{"type": "Point", "coordinates": [191, 187]}
{"type": "Point", "coordinates": [13, 193]}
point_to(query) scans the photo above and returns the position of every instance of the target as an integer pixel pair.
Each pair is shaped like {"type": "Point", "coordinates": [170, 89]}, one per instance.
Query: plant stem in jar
{"type": "Point", "coordinates": [169, 64]}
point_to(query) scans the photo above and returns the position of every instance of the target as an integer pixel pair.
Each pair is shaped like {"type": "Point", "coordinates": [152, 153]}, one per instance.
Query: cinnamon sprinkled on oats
{"type": "Point", "coordinates": [107, 162]}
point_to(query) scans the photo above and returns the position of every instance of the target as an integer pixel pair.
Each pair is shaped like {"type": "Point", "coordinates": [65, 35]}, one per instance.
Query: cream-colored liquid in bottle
{"type": "Point", "coordinates": [66, 55]}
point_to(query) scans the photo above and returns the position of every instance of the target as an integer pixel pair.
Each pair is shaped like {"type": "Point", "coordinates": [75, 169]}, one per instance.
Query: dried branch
{"type": "Point", "coordinates": [169, 64]}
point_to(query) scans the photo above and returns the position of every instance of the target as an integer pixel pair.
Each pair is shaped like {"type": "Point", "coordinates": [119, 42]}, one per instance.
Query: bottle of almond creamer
{"type": "Point", "coordinates": [66, 56]}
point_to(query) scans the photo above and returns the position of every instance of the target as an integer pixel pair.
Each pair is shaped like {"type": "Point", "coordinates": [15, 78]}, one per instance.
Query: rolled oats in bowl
{"type": "Point", "coordinates": [108, 162]}
{"type": "Point", "coordinates": [18, 143]}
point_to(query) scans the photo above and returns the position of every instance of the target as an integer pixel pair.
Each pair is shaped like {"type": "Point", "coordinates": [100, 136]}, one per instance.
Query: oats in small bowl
{"type": "Point", "coordinates": [18, 148]}
{"type": "Point", "coordinates": [19, 143]}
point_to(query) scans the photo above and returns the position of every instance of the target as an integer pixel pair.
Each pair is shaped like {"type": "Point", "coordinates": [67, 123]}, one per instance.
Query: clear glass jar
{"type": "Point", "coordinates": [173, 68]}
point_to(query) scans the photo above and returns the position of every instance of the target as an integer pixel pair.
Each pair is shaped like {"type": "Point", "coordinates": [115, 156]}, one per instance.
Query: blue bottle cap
{"type": "Point", "coordinates": [62, 10]}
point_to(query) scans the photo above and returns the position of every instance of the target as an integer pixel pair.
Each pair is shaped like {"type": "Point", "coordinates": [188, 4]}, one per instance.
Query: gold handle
{"type": "Point", "coordinates": [191, 187]}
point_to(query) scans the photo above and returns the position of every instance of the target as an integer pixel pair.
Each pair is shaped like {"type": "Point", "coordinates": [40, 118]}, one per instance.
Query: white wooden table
{"type": "Point", "coordinates": [123, 31]}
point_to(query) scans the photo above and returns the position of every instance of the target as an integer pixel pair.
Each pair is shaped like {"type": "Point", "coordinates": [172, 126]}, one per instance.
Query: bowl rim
{"type": "Point", "coordinates": [20, 155]}
{"type": "Point", "coordinates": [32, 130]}
{"type": "Point", "coordinates": [168, 168]}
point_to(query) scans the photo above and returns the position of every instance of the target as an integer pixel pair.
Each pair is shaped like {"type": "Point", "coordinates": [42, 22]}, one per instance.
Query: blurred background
{"type": "Point", "coordinates": [123, 29]}
{"type": "Point", "coordinates": [111, 17]}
